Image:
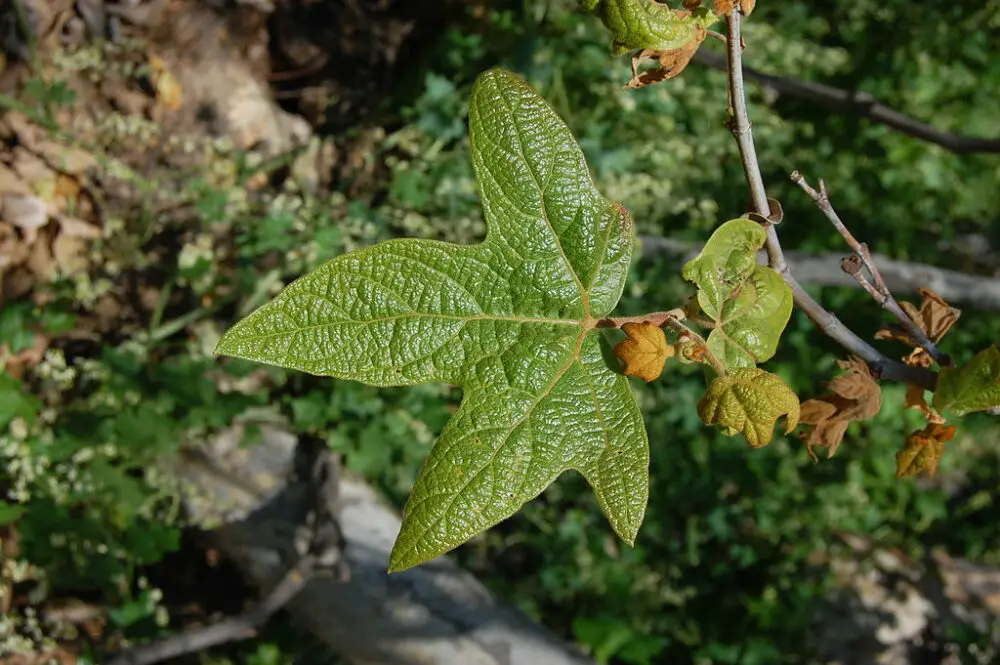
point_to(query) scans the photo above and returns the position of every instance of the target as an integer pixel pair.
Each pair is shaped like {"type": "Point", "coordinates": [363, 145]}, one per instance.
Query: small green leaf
{"type": "Point", "coordinates": [644, 24]}
{"type": "Point", "coordinates": [973, 387]}
{"type": "Point", "coordinates": [749, 304]}
{"type": "Point", "coordinates": [512, 321]}
{"type": "Point", "coordinates": [724, 263]}
{"type": "Point", "coordinates": [10, 512]}
{"type": "Point", "coordinates": [749, 400]}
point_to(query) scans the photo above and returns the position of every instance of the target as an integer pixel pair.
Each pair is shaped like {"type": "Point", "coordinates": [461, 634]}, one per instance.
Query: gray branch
{"type": "Point", "coordinates": [857, 103]}
{"type": "Point", "coordinates": [978, 292]}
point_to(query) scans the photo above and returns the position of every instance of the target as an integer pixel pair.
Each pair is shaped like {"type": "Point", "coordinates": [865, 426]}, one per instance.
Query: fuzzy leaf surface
{"type": "Point", "coordinates": [644, 24]}
{"type": "Point", "coordinates": [973, 387]}
{"type": "Point", "coordinates": [511, 321]}
{"type": "Point", "coordinates": [749, 400]}
{"type": "Point", "coordinates": [644, 352]}
{"type": "Point", "coordinates": [749, 304]}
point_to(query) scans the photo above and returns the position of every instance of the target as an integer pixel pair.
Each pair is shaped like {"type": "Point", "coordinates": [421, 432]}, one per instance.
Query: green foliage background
{"type": "Point", "coordinates": [722, 570]}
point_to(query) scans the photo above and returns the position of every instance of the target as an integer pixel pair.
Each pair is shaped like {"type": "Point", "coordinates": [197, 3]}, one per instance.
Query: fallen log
{"type": "Point", "coordinates": [436, 613]}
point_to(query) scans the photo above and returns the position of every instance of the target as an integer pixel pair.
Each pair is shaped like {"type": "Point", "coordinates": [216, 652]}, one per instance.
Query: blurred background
{"type": "Point", "coordinates": [167, 165]}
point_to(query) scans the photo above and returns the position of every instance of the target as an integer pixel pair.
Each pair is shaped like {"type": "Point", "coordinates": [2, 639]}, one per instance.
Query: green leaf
{"type": "Point", "coordinates": [10, 512]}
{"type": "Point", "coordinates": [749, 400]}
{"type": "Point", "coordinates": [973, 387]}
{"type": "Point", "coordinates": [644, 24]}
{"type": "Point", "coordinates": [15, 402]}
{"type": "Point", "coordinates": [511, 321]}
{"type": "Point", "coordinates": [749, 304]}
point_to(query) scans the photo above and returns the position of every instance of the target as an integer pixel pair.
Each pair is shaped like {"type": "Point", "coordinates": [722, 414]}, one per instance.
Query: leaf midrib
{"type": "Point", "coordinates": [574, 357]}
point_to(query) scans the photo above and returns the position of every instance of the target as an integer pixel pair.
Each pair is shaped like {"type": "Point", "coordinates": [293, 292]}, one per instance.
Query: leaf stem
{"type": "Point", "coordinates": [739, 123]}
{"type": "Point", "coordinates": [673, 319]}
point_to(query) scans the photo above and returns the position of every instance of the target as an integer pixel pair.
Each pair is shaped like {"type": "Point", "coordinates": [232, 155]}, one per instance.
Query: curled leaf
{"type": "Point", "coordinates": [749, 400]}
{"type": "Point", "coordinates": [974, 386]}
{"type": "Point", "coordinates": [853, 396]}
{"type": "Point", "coordinates": [935, 317]}
{"type": "Point", "coordinates": [923, 449]}
{"type": "Point", "coordinates": [672, 63]}
{"type": "Point", "coordinates": [645, 24]}
{"type": "Point", "coordinates": [645, 351]}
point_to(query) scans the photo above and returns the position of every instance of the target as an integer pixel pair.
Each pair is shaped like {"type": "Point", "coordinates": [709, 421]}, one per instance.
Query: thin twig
{"type": "Point", "coordinates": [879, 291]}
{"type": "Point", "coordinates": [881, 366]}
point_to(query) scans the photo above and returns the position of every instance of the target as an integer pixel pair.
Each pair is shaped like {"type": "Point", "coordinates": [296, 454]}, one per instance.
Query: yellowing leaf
{"type": "Point", "coordinates": [923, 449]}
{"type": "Point", "coordinates": [749, 400]}
{"type": "Point", "coordinates": [853, 396]}
{"type": "Point", "coordinates": [168, 89]}
{"type": "Point", "coordinates": [645, 351]}
{"type": "Point", "coordinates": [973, 387]}
{"type": "Point", "coordinates": [645, 24]}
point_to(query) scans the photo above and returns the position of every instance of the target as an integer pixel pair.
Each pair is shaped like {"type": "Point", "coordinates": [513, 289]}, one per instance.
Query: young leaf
{"type": "Point", "coordinates": [749, 400]}
{"type": "Point", "coordinates": [645, 24]}
{"type": "Point", "coordinates": [749, 303]}
{"type": "Point", "coordinates": [644, 352]}
{"type": "Point", "coordinates": [512, 321]}
{"type": "Point", "coordinates": [923, 449]}
{"type": "Point", "coordinates": [972, 387]}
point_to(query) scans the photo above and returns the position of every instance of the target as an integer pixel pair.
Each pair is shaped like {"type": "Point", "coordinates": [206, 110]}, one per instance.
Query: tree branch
{"type": "Point", "coordinates": [979, 292]}
{"type": "Point", "coordinates": [739, 123]}
{"type": "Point", "coordinates": [879, 291]}
{"type": "Point", "coordinates": [858, 103]}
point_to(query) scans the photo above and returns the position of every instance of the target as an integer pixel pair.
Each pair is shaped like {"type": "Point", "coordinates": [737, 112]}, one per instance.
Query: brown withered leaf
{"type": "Point", "coordinates": [747, 6]}
{"type": "Point", "coordinates": [923, 449]}
{"type": "Point", "coordinates": [724, 7]}
{"type": "Point", "coordinates": [644, 352]}
{"type": "Point", "coordinates": [692, 4]}
{"type": "Point", "coordinates": [935, 317]}
{"type": "Point", "coordinates": [915, 400]}
{"type": "Point", "coordinates": [672, 62]}
{"type": "Point", "coordinates": [853, 396]}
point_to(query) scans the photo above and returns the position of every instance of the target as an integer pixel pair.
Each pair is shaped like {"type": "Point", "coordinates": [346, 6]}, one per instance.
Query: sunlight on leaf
{"type": "Point", "coordinates": [641, 24]}
{"type": "Point", "coordinates": [922, 451]}
{"type": "Point", "coordinates": [644, 352]}
{"type": "Point", "coordinates": [973, 387]}
{"type": "Point", "coordinates": [749, 304]}
{"type": "Point", "coordinates": [749, 400]}
{"type": "Point", "coordinates": [511, 321]}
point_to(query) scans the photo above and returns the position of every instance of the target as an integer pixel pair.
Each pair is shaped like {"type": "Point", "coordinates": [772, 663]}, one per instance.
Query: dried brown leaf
{"type": "Point", "coordinates": [915, 400]}
{"type": "Point", "coordinates": [923, 449]}
{"type": "Point", "coordinates": [644, 352]}
{"type": "Point", "coordinates": [724, 7]}
{"type": "Point", "coordinates": [671, 62]}
{"type": "Point", "coordinates": [853, 396]}
{"type": "Point", "coordinates": [935, 317]}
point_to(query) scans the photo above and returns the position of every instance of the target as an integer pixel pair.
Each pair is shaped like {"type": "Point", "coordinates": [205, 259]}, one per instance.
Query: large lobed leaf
{"type": "Point", "coordinates": [510, 320]}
